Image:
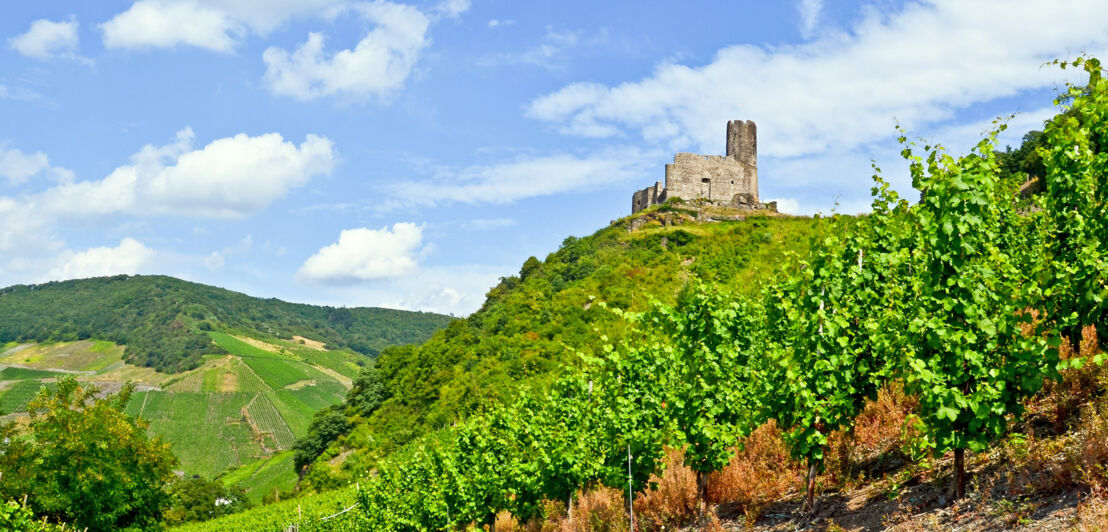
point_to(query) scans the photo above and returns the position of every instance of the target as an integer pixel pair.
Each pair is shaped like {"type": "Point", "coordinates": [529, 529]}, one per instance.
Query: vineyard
{"type": "Point", "coordinates": [305, 513]}
{"type": "Point", "coordinates": [218, 417]}
{"type": "Point", "coordinates": [969, 301]}
{"type": "Point", "coordinates": [266, 421]}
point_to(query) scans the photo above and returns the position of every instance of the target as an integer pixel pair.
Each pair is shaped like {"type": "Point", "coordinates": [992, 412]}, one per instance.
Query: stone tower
{"type": "Point", "coordinates": [731, 179]}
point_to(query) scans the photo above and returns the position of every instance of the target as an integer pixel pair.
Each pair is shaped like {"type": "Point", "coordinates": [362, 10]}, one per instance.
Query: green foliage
{"type": "Point", "coordinates": [86, 462]}
{"type": "Point", "coordinates": [326, 426]}
{"type": "Point", "coordinates": [18, 517]}
{"type": "Point", "coordinates": [971, 365]}
{"type": "Point", "coordinates": [162, 320]}
{"type": "Point", "coordinates": [703, 372]}
{"type": "Point", "coordinates": [1076, 204]}
{"type": "Point", "coordinates": [197, 499]}
{"type": "Point", "coordinates": [1026, 161]}
{"type": "Point", "coordinates": [367, 393]}
{"type": "Point", "coordinates": [307, 513]}
{"type": "Point", "coordinates": [834, 321]}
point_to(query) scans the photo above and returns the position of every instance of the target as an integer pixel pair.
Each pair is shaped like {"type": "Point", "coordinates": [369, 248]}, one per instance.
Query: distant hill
{"type": "Point", "coordinates": [163, 321]}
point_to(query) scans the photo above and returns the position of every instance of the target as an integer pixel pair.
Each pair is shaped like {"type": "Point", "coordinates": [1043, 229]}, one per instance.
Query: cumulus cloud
{"type": "Point", "coordinates": [919, 66]}
{"type": "Point", "coordinates": [229, 178]}
{"type": "Point", "coordinates": [497, 23]}
{"type": "Point", "coordinates": [217, 25]}
{"type": "Point", "coordinates": [366, 254]}
{"type": "Point", "coordinates": [129, 257]}
{"type": "Point", "coordinates": [378, 65]}
{"type": "Point", "coordinates": [527, 177]}
{"type": "Point", "coordinates": [47, 39]}
{"type": "Point", "coordinates": [17, 166]}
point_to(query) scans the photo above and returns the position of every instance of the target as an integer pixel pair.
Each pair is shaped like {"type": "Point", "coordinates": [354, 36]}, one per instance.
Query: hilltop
{"type": "Point", "coordinates": [162, 320]}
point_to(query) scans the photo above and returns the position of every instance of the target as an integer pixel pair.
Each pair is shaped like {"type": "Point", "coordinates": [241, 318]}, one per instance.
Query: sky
{"type": "Point", "coordinates": [407, 155]}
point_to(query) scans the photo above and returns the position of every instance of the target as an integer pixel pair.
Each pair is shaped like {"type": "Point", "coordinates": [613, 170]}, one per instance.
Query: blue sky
{"type": "Point", "coordinates": [409, 154]}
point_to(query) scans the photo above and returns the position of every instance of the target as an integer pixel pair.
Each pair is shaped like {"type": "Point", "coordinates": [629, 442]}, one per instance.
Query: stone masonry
{"type": "Point", "coordinates": [728, 180]}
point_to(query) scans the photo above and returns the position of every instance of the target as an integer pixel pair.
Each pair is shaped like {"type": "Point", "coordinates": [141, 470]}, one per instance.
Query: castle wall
{"type": "Point", "coordinates": [712, 177]}
{"type": "Point", "coordinates": [646, 197]}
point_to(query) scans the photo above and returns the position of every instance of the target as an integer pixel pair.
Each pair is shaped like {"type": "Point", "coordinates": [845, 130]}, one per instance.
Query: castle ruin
{"type": "Point", "coordinates": [730, 180]}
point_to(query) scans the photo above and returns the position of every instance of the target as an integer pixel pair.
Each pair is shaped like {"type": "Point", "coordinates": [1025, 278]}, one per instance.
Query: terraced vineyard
{"type": "Point", "coordinates": [236, 415]}
{"type": "Point", "coordinates": [265, 420]}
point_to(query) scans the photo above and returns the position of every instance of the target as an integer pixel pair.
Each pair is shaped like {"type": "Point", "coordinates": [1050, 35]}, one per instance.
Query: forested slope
{"type": "Point", "coordinates": [162, 320]}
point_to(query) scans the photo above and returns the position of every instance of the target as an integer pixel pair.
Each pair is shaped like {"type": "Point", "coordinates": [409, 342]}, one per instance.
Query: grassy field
{"type": "Point", "coordinates": [15, 397]}
{"type": "Point", "coordinates": [262, 477]}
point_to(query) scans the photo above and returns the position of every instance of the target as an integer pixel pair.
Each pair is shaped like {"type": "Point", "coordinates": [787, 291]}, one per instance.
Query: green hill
{"type": "Point", "coordinates": [531, 324]}
{"type": "Point", "coordinates": [163, 320]}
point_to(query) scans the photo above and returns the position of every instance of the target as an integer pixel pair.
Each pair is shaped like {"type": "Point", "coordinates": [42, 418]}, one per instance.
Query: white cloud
{"type": "Point", "coordinates": [844, 89]}
{"type": "Point", "coordinates": [157, 24]}
{"type": "Point", "coordinates": [527, 177]}
{"type": "Point", "coordinates": [787, 205]}
{"type": "Point", "coordinates": [217, 25]}
{"type": "Point", "coordinates": [456, 289]}
{"type": "Point", "coordinates": [366, 254]}
{"type": "Point", "coordinates": [18, 94]}
{"type": "Point", "coordinates": [129, 257]}
{"type": "Point", "coordinates": [552, 53]}
{"type": "Point", "coordinates": [214, 261]}
{"type": "Point", "coordinates": [497, 23]}
{"type": "Point", "coordinates": [378, 65]}
{"type": "Point", "coordinates": [231, 177]}
{"type": "Point", "coordinates": [47, 39]}
{"type": "Point", "coordinates": [452, 8]}
{"type": "Point", "coordinates": [809, 15]}
{"type": "Point", "coordinates": [17, 166]}
{"type": "Point", "coordinates": [485, 224]}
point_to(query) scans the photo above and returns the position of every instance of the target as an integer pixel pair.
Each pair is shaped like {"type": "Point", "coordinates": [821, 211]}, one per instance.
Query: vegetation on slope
{"type": "Point", "coordinates": [530, 324]}
{"type": "Point", "coordinates": [162, 320]}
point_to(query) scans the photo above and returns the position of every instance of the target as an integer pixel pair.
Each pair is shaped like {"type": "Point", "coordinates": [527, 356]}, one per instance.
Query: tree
{"type": "Point", "coordinates": [368, 391]}
{"type": "Point", "coordinates": [198, 499]}
{"type": "Point", "coordinates": [326, 426]}
{"type": "Point", "coordinates": [972, 365]}
{"type": "Point", "coordinates": [88, 463]}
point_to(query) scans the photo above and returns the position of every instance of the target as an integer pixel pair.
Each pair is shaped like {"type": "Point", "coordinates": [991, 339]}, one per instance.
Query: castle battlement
{"type": "Point", "coordinates": [730, 179]}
